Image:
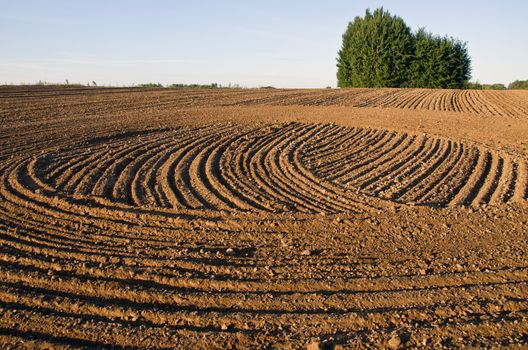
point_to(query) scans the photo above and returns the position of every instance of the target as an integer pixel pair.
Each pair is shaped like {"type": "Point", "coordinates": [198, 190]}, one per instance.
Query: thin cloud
{"type": "Point", "coordinates": [37, 20]}
{"type": "Point", "coordinates": [106, 62]}
{"type": "Point", "coordinates": [94, 62]}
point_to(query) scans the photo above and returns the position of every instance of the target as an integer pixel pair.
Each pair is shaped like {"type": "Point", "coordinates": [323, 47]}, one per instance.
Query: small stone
{"type": "Point", "coordinates": [306, 252]}
{"type": "Point", "coordinates": [224, 326]}
{"type": "Point", "coordinates": [395, 342]}
{"type": "Point", "coordinates": [314, 344]}
{"type": "Point", "coordinates": [132, 317]}
{"type": "Point", "coordinates": [230, 251]}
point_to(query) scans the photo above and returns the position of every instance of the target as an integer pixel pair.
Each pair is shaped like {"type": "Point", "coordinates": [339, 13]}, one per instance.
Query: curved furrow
{"type": "Point", "coordinates": [465, 102]}
{"type": "Point", "coordinates": [23, 192]}
{"type": "Point", "coordinates": [401, 168]}
{"type": "Point", "coordinates": [435, 172]}
{"type": "Point", "coordinates": [106, 181]}
{"type": "Point", "coordinates": [133, 186]}
{"type": "Point", "coordinates": [214, 175]}
{"type": "Point", "coordinates": [158, 181]}
{"type": "Point", "coordinates": [372, 144]}
{"type": "Point", "coordinates": [438, 190]}
{"type": "Point", "coordinates": [131, 183]}
{"type": "Point", "coordinates": [405, 176]}
{"type": "Point", "coordinates": [202, 180]}
{"type": "Point", "coordinates": [490, 182]}
{"type": "Point", "coordinates": [142, 188]}
{"type": "Point", "coordinates": [505, 181]}
{"type": "Point", "coordinates": [278, 163]}
{"type": "Point", "coordinates": [392, 165]}
{"type": "Point", "coordinates": [370, 162]}
{"type": "Point", "coordinates": [521, 188]}
{"type": "Point", "coordinates": [477, 178]}
{"type": "Point", "coordinates": [254, 164]}
{"type": "Point", "coordinates": [82, 178]}
{"type": "Point", "coordinates": [475, 103]}
{"type": "Point", "coordinates": [487, 108]}
{"type": "Point", "coordinates": [341, 198]}
{"type": "Point", "coordinates": [497, 106]}
{"type": "Point", "coordinates": [338, 152]}
{"type": "Point", "coordinates": [415, 100]}
{"type": "Point", "coordinates": [54, 166]}
{"type": "Point", "coordinates": [317, 190]}
{"type": "Point", "coordinates": [349, 158]}
{"type": "Point", "coordinates": [397, 98]}
{"type": "Point", "coordinates": [456, 101]}
{"type": "Point", "coordinates": [175, 178]}
{"type": "Point", "coordinates": [325, 144]}
{"type": "Point", "coordinates": [300, 167]}
{"type": "Point", "coordinates": [269, 149]}
{"type": "Point", "coordinates": [89, 152]}
{"type": "Point", "coordinates": [236, 165]}
{"type": "Point", "coordinates": [120, 189]}
{"type": "Point", "coordinates": [370, 139]}
{"type": "Point", "coordinates": [436, 101]}
{"type": "Point", "coordinates": [166, 182]}
{"type": "Point", "coordinates": [424, 171]}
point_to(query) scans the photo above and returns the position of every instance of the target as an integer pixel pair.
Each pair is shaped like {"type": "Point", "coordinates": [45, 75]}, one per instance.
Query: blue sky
{"type": "Point", "coordinates": [251, 43]}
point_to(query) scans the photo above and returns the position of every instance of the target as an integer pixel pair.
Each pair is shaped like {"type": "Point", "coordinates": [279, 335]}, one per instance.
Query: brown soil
{"type": "Point", "coordinates": [361, 218]}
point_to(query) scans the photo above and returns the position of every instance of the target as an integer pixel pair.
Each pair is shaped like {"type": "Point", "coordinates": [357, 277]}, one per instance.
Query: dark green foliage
{"type": "Point", "coordinates": [478, 86]}
{"type": "Point", "coordinates": [376, 52]}
{"type": "Point", "coordinates": [519, 84]}
{"type": "Point", "coordinates": [439, 62]}
{"type": "Point", "coordinates": [474, 85]}
{"type": "Point", "coordinates": [496, 86]}
{"type": "Point", "coordinates": [379, 50]}
{"type": "Point", "coordinates": [150, 85]}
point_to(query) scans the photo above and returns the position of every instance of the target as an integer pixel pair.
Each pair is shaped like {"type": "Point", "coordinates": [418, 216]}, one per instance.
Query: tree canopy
{"type": "Point", "coordinates": [380, 50]}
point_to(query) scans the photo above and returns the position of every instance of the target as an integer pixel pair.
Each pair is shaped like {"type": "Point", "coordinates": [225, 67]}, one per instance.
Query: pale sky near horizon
{"type": "Point", "coordinates": [279, 43]}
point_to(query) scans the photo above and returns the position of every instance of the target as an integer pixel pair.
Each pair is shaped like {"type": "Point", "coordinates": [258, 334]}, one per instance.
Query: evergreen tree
{"type": "Point", "coordinates": [376, 51]}
{"type": "Point", "coordinates": [439, 62]}
{"type": "Point", "coordinates": [379, 50]}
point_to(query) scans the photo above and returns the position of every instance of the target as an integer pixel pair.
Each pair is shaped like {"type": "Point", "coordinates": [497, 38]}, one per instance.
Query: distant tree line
{"type": "Point", "coordinates": [380, 50]}
{"type": "Point", "coordinates": [519, 84]}
{"type": "Point", "coordinates": [479, 86]}
{"type": "Point", "coordinates": [516, 85]}
{"type": "Point", "coordinates": [190, 86]}
{"type": "Point", "coordinates": [181, 86]}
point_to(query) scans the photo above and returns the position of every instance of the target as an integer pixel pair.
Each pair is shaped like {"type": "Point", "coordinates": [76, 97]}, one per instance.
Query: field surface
{"type": "Point", "coordinates": [265, 218]}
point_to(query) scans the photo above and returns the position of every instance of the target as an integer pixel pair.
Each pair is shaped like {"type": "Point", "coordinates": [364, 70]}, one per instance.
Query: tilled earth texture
{"type": "Point", "coordinates": [263, 219]}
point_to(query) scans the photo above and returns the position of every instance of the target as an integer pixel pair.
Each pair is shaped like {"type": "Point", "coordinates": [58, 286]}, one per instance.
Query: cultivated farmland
{"type": "Point", "coordinates": [255, 218]}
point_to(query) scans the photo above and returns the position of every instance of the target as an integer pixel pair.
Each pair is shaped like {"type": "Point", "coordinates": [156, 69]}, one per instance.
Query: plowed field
{"type": "Point", "coordinates": [351, 218]}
